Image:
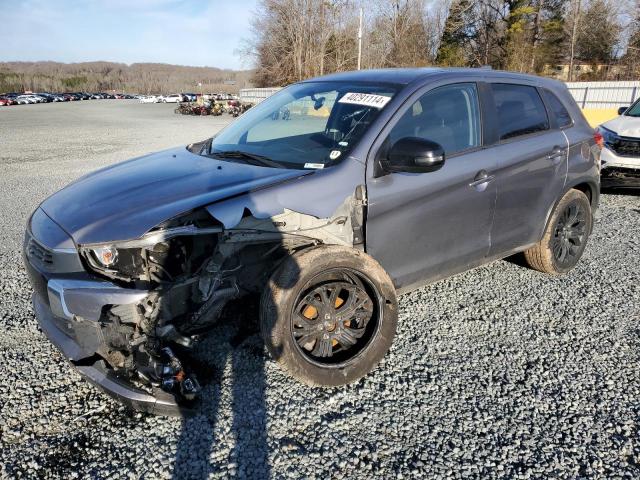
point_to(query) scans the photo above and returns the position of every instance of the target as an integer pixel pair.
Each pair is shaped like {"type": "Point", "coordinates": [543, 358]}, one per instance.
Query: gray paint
{"type": "Point", "coordinates": [439, 225]}
{"type": "Point", "coordinates": [69, 298]}
{"type": "Point", "coordinates": [529, 183]}
{"type": "Point", "coordinates": [318, 195]}
{"type": "Point", "coordinates": [419, 226]}
{"type": "Point", "coordinates": [124, 201]}
{"type": "Point", "coordinates": [49, 233]}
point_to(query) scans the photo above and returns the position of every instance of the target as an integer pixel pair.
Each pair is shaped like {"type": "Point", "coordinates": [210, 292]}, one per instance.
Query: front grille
{"type": "Point", "coordinates": [39, 255]}
{"type": "Point", "coordinates": [626, 147]}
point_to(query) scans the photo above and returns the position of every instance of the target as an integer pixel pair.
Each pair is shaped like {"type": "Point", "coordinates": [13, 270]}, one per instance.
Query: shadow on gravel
{"type": "Point", "coordinates": [517, 259]}
{"type": "Point", "coordinates": [235, 344]}
{"type": "Point", "coordinates": [621, 191]}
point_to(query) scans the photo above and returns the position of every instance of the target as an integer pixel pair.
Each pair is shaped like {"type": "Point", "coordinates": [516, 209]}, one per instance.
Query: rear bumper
{"type": "Point", "coordinates": [95, 371]}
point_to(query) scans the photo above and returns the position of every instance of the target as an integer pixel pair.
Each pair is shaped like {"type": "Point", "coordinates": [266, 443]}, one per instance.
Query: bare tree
{"type": "Point", "coordinates": [106, 76]}
{"type": "Point", "coordinates": [297, 39]}
{"type": "Point", "coordinates": [574, 23]}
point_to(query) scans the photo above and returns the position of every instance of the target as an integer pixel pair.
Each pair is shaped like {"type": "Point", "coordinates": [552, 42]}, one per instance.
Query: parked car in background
{"type": "Point", "coordinates": [45, 97]}
{"type": "Point", "coordinates": [5, 101]}
{"type": "Point", "coordinates": [377, 182]}
{"type": "Point", "coordinates": [49, 97]}
{"type": "Point", "coordinates": [620, 142]}
{"type": "Point", "coordinates": [173, 98]}
{"type": "Point", "coordinates": [16, 100]}
{"type": "Point", "coordinates": [148, 99]}
{"type": "Point", "coordinates": [29, 98]}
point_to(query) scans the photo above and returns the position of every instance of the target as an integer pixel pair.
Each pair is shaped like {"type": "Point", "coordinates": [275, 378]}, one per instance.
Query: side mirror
{"type": "Point", "coordinates": [414, 155]}
{"type": "Point", "coordinates": [621, 110]}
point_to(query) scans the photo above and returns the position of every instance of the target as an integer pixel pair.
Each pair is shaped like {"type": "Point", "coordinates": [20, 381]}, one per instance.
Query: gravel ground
{"type": "Point", "coordinates": [499, 372]}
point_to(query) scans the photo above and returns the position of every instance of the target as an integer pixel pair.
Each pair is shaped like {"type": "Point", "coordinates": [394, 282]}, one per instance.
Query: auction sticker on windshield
{"type": "Point", "coordinates": [366, 99]}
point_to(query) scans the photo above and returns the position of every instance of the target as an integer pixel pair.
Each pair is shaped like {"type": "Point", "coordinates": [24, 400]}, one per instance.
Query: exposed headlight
{"type": "Point", "coordinates": [158, 256]}
{"type": "Point", "coordinates": [106, 255]}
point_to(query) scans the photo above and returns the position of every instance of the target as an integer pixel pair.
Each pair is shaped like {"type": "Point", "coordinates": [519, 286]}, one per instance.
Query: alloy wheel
{"type": "Point", "coordinates": [335, 317]}
{"type": "Point", "coordinates": [570, 235]}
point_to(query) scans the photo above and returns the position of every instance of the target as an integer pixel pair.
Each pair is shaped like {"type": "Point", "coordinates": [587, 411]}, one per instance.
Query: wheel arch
{"type": "Point", "coordinates": [588, 187]}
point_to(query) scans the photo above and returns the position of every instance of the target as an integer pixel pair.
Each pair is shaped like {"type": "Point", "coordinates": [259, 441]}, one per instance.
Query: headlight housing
{"type": "Point", "coordinates": [159, 256]}
{"type": "Point", "coordinates": [116, 262]}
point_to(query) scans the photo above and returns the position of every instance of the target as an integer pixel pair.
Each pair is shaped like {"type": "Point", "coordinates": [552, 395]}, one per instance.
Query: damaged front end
{"type": "Point", "coordinates": [149, 300]}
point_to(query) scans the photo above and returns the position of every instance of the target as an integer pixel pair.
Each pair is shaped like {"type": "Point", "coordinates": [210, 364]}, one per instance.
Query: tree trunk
{"type": "Point", "coordinates": [574, 34]}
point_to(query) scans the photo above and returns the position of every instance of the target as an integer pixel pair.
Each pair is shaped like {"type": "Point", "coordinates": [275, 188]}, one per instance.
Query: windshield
{"type": "Point", "coordinates": [634, 111]}
{"type": "Point", "coordinates": [307, 125]}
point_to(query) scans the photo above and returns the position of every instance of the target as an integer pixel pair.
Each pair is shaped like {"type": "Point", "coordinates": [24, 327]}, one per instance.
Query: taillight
{"type": "Point", "coordinates": [599, 139]}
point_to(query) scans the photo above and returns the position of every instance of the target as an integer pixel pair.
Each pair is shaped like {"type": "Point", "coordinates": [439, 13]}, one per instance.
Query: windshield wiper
{"type": "Point", "coordinates": [252, 158]}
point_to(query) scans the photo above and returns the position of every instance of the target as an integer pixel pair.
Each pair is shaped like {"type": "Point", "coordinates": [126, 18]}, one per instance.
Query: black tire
{"type": "Point", "coordinates": [565, 237]}
{"type": "Point", "coordinates": [307, 346]}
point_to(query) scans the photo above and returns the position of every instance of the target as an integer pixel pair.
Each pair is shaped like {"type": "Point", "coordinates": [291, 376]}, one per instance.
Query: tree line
{"type": "Point", "coordinates": [143, 78]}
{"type": "Point", "coordinates": [296, 39]}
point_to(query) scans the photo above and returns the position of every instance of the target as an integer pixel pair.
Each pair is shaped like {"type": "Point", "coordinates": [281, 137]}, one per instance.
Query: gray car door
{"type": "Point", "coordinates": [424, 226]}
{"type": "Point", "coordinates": [532, 166]}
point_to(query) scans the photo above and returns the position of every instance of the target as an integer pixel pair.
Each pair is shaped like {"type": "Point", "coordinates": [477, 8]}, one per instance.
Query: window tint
{"type": "Point", "coordinates": [448, 115]}
{"type": "Point", "coordinates": [558, 109]}
{"type": "Point", "coordinates": [520, 110]}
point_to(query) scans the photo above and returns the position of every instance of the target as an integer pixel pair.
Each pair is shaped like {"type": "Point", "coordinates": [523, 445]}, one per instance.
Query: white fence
{"type": "Point", "coordinates": [604, 94]}
{"type": "Point", "coordinates": [587, 94]}
{"type": "Point", "coordinates": [256, 95]}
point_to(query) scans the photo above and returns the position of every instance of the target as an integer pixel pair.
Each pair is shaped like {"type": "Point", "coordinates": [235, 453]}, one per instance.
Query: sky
{"type": "Point", "coordinates": [184, 32]}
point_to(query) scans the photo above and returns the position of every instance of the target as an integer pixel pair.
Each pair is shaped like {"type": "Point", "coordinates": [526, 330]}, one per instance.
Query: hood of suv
{"type": "Point", "coordinates": [624, 126]}
{"type": "Point", "coordinates": [126, 200]}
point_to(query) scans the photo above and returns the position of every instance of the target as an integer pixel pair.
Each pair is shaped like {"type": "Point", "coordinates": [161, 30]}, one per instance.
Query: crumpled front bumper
{"type": "Point", "coordinates": [69, 304]}
{"type": "Point", "coordinates": [619, 171]}
{"type": "Point", "coordinates": [74, 343]}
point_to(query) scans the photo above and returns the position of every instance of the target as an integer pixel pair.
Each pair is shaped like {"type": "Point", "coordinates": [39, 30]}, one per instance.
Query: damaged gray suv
{"type": "Point", "coordinates": [325, 201]}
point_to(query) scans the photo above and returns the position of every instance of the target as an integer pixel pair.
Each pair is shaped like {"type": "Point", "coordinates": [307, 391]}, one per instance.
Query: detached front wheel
{"type": "Point", "coordinates": [329, 315]}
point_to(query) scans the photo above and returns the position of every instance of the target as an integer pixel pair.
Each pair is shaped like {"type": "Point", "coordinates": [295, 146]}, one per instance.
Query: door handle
{"type": "Point", "coordinates": [481, 177]}
{"type": "Point", "coordinates": [556, 154]}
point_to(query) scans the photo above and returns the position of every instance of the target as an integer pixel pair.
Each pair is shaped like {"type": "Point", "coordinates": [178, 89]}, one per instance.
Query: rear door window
{"type": "Point", "coordinates": [559, 111]}
{"type": "Point", "coordinates": [520, 110]}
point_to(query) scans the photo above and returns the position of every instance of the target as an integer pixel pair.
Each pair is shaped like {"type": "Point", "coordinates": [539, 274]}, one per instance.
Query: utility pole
{"type": "Point", "coordinates": [360, 40]}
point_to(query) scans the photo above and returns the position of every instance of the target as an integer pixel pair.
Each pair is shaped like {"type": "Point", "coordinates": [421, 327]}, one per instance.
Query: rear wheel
{"type": "Point", "coordinates": [566, 236]}
{"type": "Point", "coordinates": [328, 315]}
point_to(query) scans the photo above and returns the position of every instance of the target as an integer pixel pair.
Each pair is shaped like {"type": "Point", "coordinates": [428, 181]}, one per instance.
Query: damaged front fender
{"type": "Point", "coordinates": [318, 195]}
{"type": "Point", "coordinates": [190, 268]}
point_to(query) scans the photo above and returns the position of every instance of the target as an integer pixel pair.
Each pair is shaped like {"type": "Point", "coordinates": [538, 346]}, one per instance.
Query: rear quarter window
{"type": "Point", "coordinates": [559, 110]}
{"type": "Point", "coordinates": [520, 110]}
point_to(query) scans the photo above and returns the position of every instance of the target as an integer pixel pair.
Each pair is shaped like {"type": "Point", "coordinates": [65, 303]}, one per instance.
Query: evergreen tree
{"type": "Point", "coordinates": [457, 32]}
